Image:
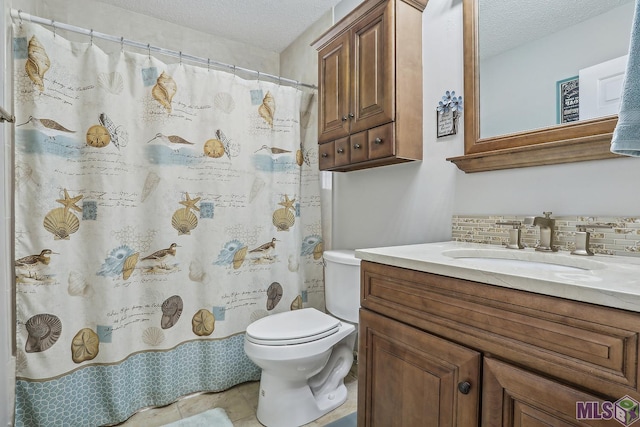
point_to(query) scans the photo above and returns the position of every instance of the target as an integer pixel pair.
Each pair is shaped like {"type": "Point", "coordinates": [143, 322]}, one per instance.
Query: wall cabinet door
{"type": "Point", "coordinates": [334, 104]}
{"type": "Point", "coordinates": [518, 398]}
{"type": "Point", "coordinates": [372, 69]}
{"type": "Point", "coordinates": [410, 378]}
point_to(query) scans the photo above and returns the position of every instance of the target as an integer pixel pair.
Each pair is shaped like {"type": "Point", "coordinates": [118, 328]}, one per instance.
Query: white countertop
{"type": "Point", "coordinates": [610, 281]}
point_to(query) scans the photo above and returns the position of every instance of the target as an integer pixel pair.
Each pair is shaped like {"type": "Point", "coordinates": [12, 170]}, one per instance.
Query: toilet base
{"type": "Point", "coordinates": [292, 403]}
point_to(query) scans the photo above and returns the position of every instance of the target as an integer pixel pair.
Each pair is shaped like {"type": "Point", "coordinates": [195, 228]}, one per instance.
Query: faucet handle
{"type": "Point", "coordinates": [547, 214]}
{"type": "Point", "coordinates": [582, 238]}
{"type": "Point", "coordinates": [515, 235]}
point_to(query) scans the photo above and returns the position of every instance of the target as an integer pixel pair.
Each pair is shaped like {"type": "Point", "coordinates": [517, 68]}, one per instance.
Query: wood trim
{"type": "Point", "coordinates": [546, 146]}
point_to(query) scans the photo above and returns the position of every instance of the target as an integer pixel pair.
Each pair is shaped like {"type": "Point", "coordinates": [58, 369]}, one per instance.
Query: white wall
{"type": "Point", "coordinates": [409, 203]}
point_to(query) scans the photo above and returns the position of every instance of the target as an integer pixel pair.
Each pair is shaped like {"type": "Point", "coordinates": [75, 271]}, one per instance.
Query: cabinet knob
{"type": "Point", "coordinates": [325, 155]}
{"type": "Point", "coordinates": [356, 146]}
{"type": "Point", "coordinates": [464, 387]}
{"type": "Point", "coordinates": [345, 118]}
{"type": "Point", "coordinates": [378, 141]}
{"type": "Point", "coordinates": [340, 150]}
{"type": "Point", "coordinates": [351, 115]}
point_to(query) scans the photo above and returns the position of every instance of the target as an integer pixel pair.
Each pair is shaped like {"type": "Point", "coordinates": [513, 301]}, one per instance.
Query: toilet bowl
{"type": "Point", "coordinates": [305, 354]}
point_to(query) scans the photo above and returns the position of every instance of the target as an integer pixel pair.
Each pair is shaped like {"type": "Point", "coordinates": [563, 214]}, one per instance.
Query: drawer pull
{"type": "Point", "coordinates": [378, 141]}
{"type": "Point", "coordinates": [356, 146]}
{"type": "Point", "coordinates": [340, 150]}
{"type": "Point", "coordinates": [464, 387]}
{"type": "Point", "coordinates": [325, 155]}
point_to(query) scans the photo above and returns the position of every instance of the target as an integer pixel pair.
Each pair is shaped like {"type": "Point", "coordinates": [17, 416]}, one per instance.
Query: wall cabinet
{"type": "Point", "coordinates": [370, 86]}
{"type": "Point", "coordinates": [438, 351]}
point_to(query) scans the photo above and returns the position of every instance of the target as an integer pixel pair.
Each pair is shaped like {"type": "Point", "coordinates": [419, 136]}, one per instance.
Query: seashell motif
{"type": "Point", "coordinates": [283, 219]}
{"type": "Point", "coordinates": [164, 90]}
{"type": "Point", "coordinates": [214, 148]}
{"type": "Point", "coordinates": [85, 345]}
{"type": "Point", "coordinates": [258, 314]}
{"type": "Point", "coordinates": [37, 62]}
{"type": "Point", "coordinates": [274, 295]}
{"type": "Point", "coordinates": [196, 272]}
{"type": "Point", "coordinates": [98, 136]}
{"type": "Point", "coordinates": [268, 108]}
{"type": "Point", "coordinates": [224, 102]}
{"type": "Point", "coordinates": [78, 285]}
{"type": "Point", "coordinates": [171, 311]}
{"type": "Point", "coordinates": [113, 265]}
{"type": "Point", "coordinates": [256, 188]}
{"type": "Point", "coordinates": [296, 304]}
{"type": "Point", "coordinates": [184, 221]}
{"type": "Point", "coordinates": [150, 184]}
{"type": "Point", "coordinates": [153, 336]}
{"type": "Point", "coordinates": [129, 265]}
{"type": "Point", "coordinates": [203, 323]}
{"type": "Point", "coordinates": [61, 223]}
{"type": "Point", "coordinates": [44, 330]}
{"type": "Point", "coordinates": [299, 157]}
{"type": "Point", "coordinates": [318, 251]}
{"type": "Point", "coordinates": [239, 256]}
{"type": "Point", "coordinates": [21, 361]}
{"type": "Point", "coordinates": [111, 82]}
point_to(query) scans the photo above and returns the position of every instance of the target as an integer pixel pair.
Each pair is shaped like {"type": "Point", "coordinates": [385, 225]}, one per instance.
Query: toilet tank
{"type": "Point", "coordinates": [342, 284]}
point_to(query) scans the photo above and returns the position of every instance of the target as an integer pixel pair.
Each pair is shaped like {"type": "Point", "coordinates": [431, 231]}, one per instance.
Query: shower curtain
{"type": "Point", "coordinates": [159, 209]}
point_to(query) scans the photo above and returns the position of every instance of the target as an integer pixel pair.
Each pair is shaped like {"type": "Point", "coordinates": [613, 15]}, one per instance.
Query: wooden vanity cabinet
{"type": "Point", "coordinates": [460, 353]}
{"type": "Point", "coordinates": [369, 77]}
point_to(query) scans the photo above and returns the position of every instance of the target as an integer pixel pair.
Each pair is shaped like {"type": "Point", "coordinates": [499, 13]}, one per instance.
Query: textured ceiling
{"type": "Point", "coordinates": [503, 28]}
{"type": "Point", "coordinates": [268, 24]}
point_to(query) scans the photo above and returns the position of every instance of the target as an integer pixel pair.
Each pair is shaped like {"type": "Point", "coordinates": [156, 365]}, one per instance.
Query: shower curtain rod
{"type": "Point", "coordinates": [22, 16]}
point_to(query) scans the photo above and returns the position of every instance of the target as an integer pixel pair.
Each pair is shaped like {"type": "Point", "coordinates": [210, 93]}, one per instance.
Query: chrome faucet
{"type": "Point", "coordinates": [547, 231]}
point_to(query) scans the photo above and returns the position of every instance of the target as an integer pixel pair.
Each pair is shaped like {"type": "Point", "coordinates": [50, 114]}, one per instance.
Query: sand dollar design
{"type": "Point", "coordinates": [85, 345]}
{"type": "Point", "coordinates": [171, 311]}
{"type": "Point", "coordinates": [203, 323]}
{"type": "Point", "coordinates": [214, 148]}
{"type": "Point", "coordinates": [98, 136]}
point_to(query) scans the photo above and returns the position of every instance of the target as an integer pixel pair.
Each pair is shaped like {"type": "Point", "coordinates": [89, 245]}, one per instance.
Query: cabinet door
{"type": "Point", "coordinates": [333, 90]}
{"type": "Point", "coordinates": [514, 397]}
{"type": "Point", "coordinates": [373, 70]}
{"type": "Point", "coordinates": [408, 378]}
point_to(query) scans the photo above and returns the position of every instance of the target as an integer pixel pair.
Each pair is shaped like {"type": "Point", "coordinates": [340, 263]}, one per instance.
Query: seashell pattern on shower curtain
{"type": "Point", "coordinates": [159, 210]}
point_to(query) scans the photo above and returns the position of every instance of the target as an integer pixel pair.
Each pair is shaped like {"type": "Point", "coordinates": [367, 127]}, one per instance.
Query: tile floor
{"type": "Point", "coordinates": [240, 403]}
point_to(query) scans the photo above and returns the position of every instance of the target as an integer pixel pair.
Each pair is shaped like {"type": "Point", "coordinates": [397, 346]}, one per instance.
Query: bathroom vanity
{"type": "Point", "coordinates": [460, 334]}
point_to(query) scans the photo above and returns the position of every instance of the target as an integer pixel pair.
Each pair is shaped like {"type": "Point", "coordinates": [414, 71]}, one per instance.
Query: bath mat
{"type": "Point", "coordinates": [350, 420]}
{"type": "Point", "coordinates": [212, 418]}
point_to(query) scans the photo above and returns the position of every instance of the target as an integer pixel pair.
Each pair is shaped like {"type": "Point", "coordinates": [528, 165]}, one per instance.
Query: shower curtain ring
{"type": "Point", "coordinates": [208, 64]}
{"type": "Point", "coordinates": [121, 44]}
{"type": "Point", "coordinates": [180, 54]}
{"type": "Point", "coordinates": [91, 35]}
{"type": "Point", "coordinates": [53, 24]}
{"type": "Point", "coordinates": [20, 16]}
{"type": "Point", "coordinates": [149, 49]}
{"type": "Point", "coordinates": [234, 71]}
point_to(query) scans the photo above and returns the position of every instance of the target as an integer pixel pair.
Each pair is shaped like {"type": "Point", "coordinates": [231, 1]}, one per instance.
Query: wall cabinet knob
{"type": "Point", "coordinates": [325, 155]}
{"type": "Point", "coordinates": [356, 146]}
{"type": "Point", "coordinates": [378, 141]}
{"type": "Point", "coordinates": [340, 150]}
{"type": "Point", "coordinates": [351, 115]}
{"type": "Point", "coordinates": [464, 387]}
{"type": "Point", "coordinates": [345, 118]}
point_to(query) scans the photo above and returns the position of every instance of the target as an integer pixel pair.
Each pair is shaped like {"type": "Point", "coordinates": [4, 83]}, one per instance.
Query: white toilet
{"type": "Point", "coordinates": [305, 354]}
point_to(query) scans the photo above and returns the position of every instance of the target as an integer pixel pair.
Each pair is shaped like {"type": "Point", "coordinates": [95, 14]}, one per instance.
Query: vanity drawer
{"type": "Point", "coordinates": [342, 152]}
{"type": "Point", "coordinates": [572, 341]}
{"type": "Point", "coordinates": [381, 142]}
{"type": "Point", "coordinates": [327, 155]}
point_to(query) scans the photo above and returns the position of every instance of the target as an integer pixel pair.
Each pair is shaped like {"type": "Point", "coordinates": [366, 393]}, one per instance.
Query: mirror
{"type": "Point", "coordinates": [522, 104]}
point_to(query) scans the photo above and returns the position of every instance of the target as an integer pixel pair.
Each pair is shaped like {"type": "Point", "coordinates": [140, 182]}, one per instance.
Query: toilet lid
{"type": "Point", "coordinates": [292, 327]}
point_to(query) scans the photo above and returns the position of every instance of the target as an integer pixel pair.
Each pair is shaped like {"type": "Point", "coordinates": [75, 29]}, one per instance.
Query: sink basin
{"type": "Point", "coordinates": [523, 259]}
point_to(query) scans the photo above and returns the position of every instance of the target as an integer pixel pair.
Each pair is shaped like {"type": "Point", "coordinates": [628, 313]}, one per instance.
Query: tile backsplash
{"type": "Point", "coordinates": [622, 239]}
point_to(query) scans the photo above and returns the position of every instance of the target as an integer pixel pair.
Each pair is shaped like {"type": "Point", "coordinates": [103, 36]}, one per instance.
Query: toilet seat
{"type": "Point", "coordinates": [292, 327]}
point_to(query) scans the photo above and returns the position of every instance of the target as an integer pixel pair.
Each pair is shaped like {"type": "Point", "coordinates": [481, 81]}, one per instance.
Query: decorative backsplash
{"type": "Point", "coordinates": [623, 239]}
